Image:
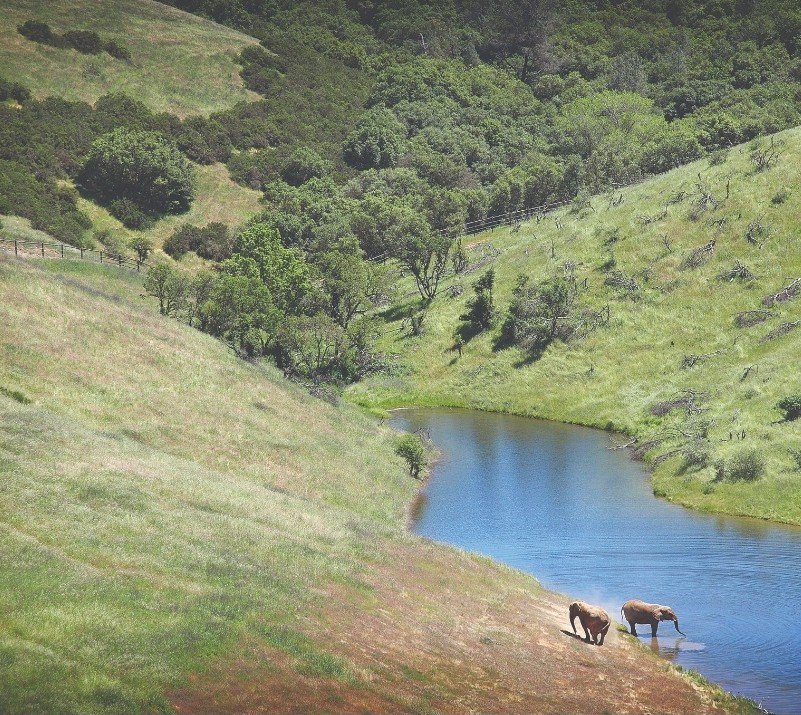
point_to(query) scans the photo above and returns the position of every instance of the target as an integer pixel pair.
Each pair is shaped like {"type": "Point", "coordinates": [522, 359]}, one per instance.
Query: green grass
{"type": "Point", "coordinates": [614, 377]}
{"type": "Point", "coordinates": [162, 500]}
{"type": "Point", "coordinates": [180, 63]}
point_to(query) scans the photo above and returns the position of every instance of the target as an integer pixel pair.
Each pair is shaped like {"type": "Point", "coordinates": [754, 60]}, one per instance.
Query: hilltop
{"type": "Point", "coordinates": [678, 361]}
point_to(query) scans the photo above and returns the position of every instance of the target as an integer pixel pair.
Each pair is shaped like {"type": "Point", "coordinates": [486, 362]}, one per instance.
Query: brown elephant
{"type": "Point", "coordinates": [593, 620]}
{"type": "Point", "coordinates": [639, 612]}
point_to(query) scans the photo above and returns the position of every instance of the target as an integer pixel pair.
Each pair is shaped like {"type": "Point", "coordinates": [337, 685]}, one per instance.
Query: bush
{"type": "Point", "coordinates": [780, 196]}
{"type": "Point", "coordinates": [304, 164]}
{"type": "Point", "coordinates": [13, 90]}
{"type": "Point", "coordinates": [142, 167]}
{"type": "Point", "coordinates": [790, 406]}
{"type": "Point", "coordinates": [696, 455]}
{"type": "Point", "coordinates": [212, 242]}
{"type": "Point", "coordinates": [745, 465]}
{"type": "Point", "coordinates": [48, 207]}
{"type": "Point", "coordinates": [480, 312]}
{"type": "Point", "coordinates": [204, 140]}
{"type": "Point", "coordinates": [410, 447]}
{"type": "Point", "coordinates": [112, 243]}
{"type": "Point", "coordinates": [129, 214]}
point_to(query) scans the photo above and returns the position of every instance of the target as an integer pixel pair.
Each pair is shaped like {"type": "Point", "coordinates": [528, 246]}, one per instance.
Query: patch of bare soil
{"type": "Point", "coordinates": [453, 633]}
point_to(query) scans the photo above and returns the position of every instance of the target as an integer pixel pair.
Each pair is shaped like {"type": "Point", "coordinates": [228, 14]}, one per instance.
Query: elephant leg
{"type": "Point", "coordinates": [654, 626]}
{"type": "Point", "coordinates": [633, 627]}
{"type": "Point", "coordinates": [587, 634]}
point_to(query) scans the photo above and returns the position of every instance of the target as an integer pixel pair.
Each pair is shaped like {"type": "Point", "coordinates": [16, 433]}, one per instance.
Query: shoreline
{"type": "Point", "coordinates": [697, 679]}
{"type": "Point", "coordinates": [390, 406]}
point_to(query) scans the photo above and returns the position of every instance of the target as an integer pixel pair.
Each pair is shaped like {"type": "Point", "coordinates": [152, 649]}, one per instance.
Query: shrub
{"type": "Point", "coordinates": [140, 166]}
{"type": "Point", "coordinates": [204, 140]}
{"type": "Point", "coordinates": [790, 406]}
{"type": "Point", "coordinates": [718, 157]}
{"type": "Point", "coordinates": [113, 244]}
{"type": "Point", "coordinates": [212, 242]}
{"type": "Point", "coordinates": [48, 207]}
{"type": "Point", "coordinates": [745, 465]}
{"type": "Point", "coordinates": [14, 90]}
{"type": "Point", "coordinates": [780, 196]}
{"type": "Point", "coordinates": [17, 395]}
{"type": "Point", "coordinates": [410, 447]}
{"type": "Point", "coordinates": [480, 311]}
{"type": "Point", "coordinates": [304, 164]}
{"type": "Point", "coordinates": [696, 455]}
{"type": "Point", "coordinates": [129, 214]}
{"type": "Point", "coordinates": [538, 313]}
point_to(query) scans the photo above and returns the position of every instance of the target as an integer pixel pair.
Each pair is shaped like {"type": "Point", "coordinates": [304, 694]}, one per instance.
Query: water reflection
{"type": "Point", "coordinates": [554, 500]}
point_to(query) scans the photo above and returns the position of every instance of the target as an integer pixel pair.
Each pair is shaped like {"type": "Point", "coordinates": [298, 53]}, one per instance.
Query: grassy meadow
{"type": "Point", "coordinates": [179, 62]}
{"type": "Point", "coordinates": [615, 376]}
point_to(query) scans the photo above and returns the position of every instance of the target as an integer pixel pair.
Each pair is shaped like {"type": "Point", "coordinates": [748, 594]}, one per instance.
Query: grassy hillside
{"type": "Point", "coordinates": [184, 529]}
{"type": "Point", "coordinates": [218, 199]}
{"type": "Point", "coordinates": [179, 63]}
{"type": "Point", "coordinates": [616, 376]}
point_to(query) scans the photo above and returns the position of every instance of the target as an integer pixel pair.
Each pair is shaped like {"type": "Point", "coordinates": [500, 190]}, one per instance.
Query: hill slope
{"type": "Point", "coordinates": [633, 373]}
{"type": "Point", "coordinates": [182, 527]}
{"type": "Point", "coordinates": [179, 62]}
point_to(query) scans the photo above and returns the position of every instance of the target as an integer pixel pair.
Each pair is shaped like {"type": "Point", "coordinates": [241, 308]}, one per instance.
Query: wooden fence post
{"type": "Point", "coordinates": [42, 249]}
{"type": "Point", "coordinates": [62, 250]}
{"type": "Point", "coordinates": [15, 247]}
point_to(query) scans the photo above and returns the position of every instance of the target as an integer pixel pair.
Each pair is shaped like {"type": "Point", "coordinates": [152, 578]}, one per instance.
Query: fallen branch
{"type": "Point", "coordinates": [785, 294]}
{"type": "Point", "coordinates": [699, 255]}
{"type": "Point", "coordinates": [780, 331]}
{"type": "Point", "coordinates": [738, 271]}
{"type": "Point", "coordinates": [689, 361]}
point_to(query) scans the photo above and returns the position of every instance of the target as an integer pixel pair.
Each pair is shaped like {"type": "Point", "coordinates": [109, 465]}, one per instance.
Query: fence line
{"type": "Point", "coordinates": [64, 250]}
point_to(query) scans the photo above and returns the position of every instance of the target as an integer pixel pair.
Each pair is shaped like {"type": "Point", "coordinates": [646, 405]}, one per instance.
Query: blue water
{"type": "Point", "coordinates": [555, 501]}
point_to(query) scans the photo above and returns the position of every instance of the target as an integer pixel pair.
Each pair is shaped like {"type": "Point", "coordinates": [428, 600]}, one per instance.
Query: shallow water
{"type": "Point", "coordinates": [553, 500]}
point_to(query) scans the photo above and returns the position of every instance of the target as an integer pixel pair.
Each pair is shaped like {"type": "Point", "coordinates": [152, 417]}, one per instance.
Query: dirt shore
{"type": "Point", "coordinates": [438, 630]}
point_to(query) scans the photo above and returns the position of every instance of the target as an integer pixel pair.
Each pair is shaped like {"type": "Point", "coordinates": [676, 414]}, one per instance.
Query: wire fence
{"type": "Point", "coordinates": [22, 247]}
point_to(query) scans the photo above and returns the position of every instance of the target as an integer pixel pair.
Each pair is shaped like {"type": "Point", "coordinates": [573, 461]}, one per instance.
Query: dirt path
{"type": "Point", "coordinates": [447, 632]}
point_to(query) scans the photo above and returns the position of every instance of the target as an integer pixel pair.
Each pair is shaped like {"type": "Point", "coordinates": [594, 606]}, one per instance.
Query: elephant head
{"type": "Point", "coordinates": [666, 613]}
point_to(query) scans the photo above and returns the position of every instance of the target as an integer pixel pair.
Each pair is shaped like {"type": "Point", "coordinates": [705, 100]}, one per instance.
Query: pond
{"type": "Point", "coordinates": [555, 501]}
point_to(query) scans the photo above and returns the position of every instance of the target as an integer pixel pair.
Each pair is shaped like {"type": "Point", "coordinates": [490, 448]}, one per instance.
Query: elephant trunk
{"type": "Point", "coordinates": [676, 623]}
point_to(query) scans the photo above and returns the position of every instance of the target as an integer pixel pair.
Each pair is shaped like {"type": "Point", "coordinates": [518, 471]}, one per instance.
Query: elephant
{"type": "Point", "coordinates": [593, 620]}
{"type": "Point", "coordinates": [639, 612]}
